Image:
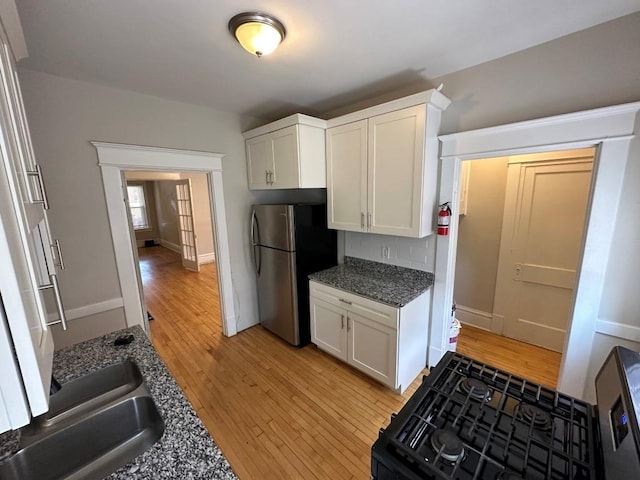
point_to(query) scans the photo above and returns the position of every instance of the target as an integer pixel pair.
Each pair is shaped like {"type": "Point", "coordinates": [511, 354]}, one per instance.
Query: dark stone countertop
{"type": "Point", "coordinates": [389, 284]}
{"type": "Point", "coordinates": [186, 450]}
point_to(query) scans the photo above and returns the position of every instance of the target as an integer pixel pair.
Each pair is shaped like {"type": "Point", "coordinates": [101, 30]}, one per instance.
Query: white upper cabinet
{"type": "Point", "coordinates": [382, 166]}
{"type": "Point", "coordinates": [347, 176]}
{"type": "Point", "coordinates": [288, 153]}
{"type": "Point", "coordinates": [30, 257]}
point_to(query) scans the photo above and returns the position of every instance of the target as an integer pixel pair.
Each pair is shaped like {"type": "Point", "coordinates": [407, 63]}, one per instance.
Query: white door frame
{"type": "Point", "coordinates": [113, 158]}
{"type": "Point", "coordinates": [611, 129]}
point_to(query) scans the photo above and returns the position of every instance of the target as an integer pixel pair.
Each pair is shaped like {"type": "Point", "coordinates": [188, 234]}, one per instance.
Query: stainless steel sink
{"type": "Point", "coordinates": [90, 391]}
{"type": "Point", "coordinates": [90, 439]}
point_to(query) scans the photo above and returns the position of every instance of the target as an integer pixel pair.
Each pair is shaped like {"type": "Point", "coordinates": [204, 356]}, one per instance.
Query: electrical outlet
{"type": "Point", "coordinates": [386, 252]}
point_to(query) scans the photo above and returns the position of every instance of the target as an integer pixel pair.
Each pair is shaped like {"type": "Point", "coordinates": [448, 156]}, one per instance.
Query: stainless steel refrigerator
{"type": "Point", "coordinates": [289, 242]}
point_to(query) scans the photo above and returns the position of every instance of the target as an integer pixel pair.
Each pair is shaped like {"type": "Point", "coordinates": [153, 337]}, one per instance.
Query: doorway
{"type": "Point", "coordinates": [113, 159]}
{"type": "Point", "coordinates": [610, 129]}
{"type": "Point", "coordinates": [172, 227]}
{"type": "Point", "coordinates": [521, 226]}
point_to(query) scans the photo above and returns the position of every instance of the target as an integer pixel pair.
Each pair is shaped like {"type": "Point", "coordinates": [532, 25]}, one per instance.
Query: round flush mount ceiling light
{"type": "Point", "coordinates": [258, 33]}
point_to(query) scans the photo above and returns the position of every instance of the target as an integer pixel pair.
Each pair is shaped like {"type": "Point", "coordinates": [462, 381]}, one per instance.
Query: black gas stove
{"type": "Point", "coordinates": [468, 420]}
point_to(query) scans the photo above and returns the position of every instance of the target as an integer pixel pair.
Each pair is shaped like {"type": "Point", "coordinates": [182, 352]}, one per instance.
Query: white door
{"type": "Point", "coordinates": [396, 157]}
{"type": "Point", "coordinates": [259, 161]}
{"type": "Point", "coordinates": [328, 324]}
{"type": "Point", "coordinates": [543, 224]}
{"type": "Point", "coordinates": [186, 225]}
{"type": "Point", "coordinates": [346, 149]}
{"type": "Point", "coordinates": [372, 348]}
{"type": "Point", "coordinates": [284, 145]}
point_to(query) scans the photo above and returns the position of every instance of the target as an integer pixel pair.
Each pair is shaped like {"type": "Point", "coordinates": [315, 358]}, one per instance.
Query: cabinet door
{"type": "Point", "coordinates": [396, 162]}
{"type": "Point", "coordinates": [259, 161]}
{"type": "Point", "coordinates": [284, 145]}
{"type": "Point", "coordinates": [347, 176]}
{"type": "Point", "coordinates": [373, 348]}
{"type": "Point", "coordinates": [328, 328]}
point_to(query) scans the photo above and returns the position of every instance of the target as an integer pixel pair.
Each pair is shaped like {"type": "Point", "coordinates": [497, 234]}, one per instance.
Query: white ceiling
{"type": "Point", "coordinates": [336, 51]}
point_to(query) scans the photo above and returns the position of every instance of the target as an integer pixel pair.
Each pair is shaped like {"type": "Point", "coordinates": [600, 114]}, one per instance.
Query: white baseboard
{"type": "Point", "coordinates": [620, 330]}
{"type": "Point", "coordinates": [171, 246]}
{"type": "Point", "coordinates": [473, 317]}
{"type": "Point", "coordinates": [207, 258]}
{"type": "Point", "coordinates": [87, 310]}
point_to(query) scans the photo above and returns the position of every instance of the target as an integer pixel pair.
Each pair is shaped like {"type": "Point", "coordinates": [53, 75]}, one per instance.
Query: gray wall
{"type": "Point", "coordinates": [479, 235]}
{"type": "Point", "coordinates": [64, 115]}
{"type": "Point", "coordinates": [592, 68]}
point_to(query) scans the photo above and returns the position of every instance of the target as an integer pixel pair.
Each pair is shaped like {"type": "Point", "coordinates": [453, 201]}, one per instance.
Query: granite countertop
{"type": "Point", "coordinates": [186, 450]}
{"type": "Point", "coordinates": [389, 284]}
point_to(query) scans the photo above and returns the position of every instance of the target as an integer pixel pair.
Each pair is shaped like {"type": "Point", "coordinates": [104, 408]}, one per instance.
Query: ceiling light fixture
{"type": "Point", "coordinates": [258, 33]}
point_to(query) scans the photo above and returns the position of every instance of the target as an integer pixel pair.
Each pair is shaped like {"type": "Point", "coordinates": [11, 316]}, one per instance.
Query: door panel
{"type": "Point", "coordinates": [347, 176]}
{"type": "Point", "coordinates": [259, 160]}
{"type": "Point", "coordinates": [396, 153]}
{"type": "Point", "coordinates": [277, 297]}
{"type": "Point", "coordinates": [545, 209]}
{"type": "Point", "coordinates": [284, 144]}
{"type": "Point", "coordinates": [186, 225]}
{"type": "Point", "coordinates": [372, 348]}
{"type": "Point", "coordinates": [328, 328]}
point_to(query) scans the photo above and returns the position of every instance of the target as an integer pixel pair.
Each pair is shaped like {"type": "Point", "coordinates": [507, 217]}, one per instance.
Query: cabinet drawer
{"type": "Point", "coordinates": [371, 309]}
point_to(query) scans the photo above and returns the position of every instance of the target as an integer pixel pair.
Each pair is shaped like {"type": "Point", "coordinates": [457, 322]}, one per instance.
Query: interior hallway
{"type": "Point", "coordinates": [277, 411]}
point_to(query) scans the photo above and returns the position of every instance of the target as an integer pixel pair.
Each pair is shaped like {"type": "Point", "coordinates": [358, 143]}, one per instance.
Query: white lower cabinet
{"type": "Point", "coordinates": [385, 342]}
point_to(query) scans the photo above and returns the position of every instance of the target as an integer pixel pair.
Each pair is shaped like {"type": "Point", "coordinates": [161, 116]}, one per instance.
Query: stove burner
{"type": "Point", "coordinates": [476, 389]}
{"type": "Point", "coordinates": [447, 444]}
{"type": "Point", "coordinates": [535, 415]}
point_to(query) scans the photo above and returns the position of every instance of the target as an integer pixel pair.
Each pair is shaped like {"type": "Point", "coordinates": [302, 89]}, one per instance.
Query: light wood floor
{"type": "Point", "coordinates": [276, 411]}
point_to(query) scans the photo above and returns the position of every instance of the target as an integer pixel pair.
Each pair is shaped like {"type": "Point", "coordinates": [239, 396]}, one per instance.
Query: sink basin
{"type": "Point", "coordinates": [90, 391]}
{"type": "Point", "coordinates": [95, 425]}
{"type": "Point", "coordinates": [91, 448]}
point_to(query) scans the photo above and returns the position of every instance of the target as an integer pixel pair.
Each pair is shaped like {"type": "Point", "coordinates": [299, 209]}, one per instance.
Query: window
{"type": "Point", "coordinates": [138, 207]}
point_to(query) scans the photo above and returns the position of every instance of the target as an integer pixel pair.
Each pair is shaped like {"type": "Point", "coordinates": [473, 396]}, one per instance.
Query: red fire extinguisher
{"type": "Point", "coordinates": [444, 217]}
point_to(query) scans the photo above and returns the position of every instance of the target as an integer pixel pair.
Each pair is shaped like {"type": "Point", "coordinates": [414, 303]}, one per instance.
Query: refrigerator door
{"type": "Point", "coordinates": [274, 226]}
{"type": "Point", "coordinates": [277, 295]}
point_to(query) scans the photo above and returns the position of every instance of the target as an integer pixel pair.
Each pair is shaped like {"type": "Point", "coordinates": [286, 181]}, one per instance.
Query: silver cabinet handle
{"type": "Point", "coordinates": [59, 306]}
{"type": "Point", "coordinates": [270, 177]}
{"type": "Point", "coordinates": [342, 319]}
{"type": "Point", "coordinates": [362, 220]}
{"type": "Point", "coordinates": [44, 200]}
{"type": "Point", "coordinates": [369, 221]}
{"type": "Point", "coordinates": [348, 302]}
{"type": "Point", "coordinates": [266, 176]}
{"type": "Point", "coordinates": [60, 263]}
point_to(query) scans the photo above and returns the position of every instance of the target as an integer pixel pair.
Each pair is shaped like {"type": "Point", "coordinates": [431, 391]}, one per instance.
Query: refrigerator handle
{"type": "Point", "coordinates": [257, 262]}
{"type": "Point", "coordinates": [254, 222]}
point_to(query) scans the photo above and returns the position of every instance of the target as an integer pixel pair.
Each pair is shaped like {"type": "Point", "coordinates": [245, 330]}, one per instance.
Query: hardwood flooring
{"type": "Point", "coordinates": [534, 363]}
{"type": "Point", "coordinates": [276, 411]}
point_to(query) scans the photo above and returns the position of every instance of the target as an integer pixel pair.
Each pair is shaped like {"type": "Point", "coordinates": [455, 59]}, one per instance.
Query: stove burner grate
{"type": "Point", "coordinates": [503, 427]}
{"type": "Point", "coordinates": [447, 444]}
{"type": "Point", "coordinates": [476, 389]}
{"type": "Point", "coordinates": [536, 416]}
